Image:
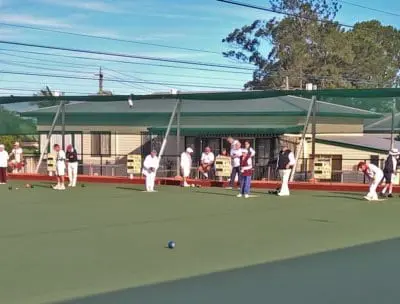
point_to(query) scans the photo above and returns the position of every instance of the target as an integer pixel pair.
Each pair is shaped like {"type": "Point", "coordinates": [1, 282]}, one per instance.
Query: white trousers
{"type": "Point", "coordinates": [150, 181]}
{"type": "Point", "coordinates": [374, 185]}
{"type": "Point", "coordinates": [285, 175]}
{"type": "Point", "coordinates": [73, 173]}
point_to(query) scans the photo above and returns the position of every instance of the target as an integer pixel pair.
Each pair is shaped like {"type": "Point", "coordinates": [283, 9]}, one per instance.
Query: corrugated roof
{"type": "Point", "coordinates": [284, 105]}
{"type": "Point", "coordinates": [372, 142]}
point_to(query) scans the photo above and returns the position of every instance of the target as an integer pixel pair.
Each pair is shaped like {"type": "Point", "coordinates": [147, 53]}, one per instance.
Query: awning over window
{"type": "Point", "coordinates": [210, 130]}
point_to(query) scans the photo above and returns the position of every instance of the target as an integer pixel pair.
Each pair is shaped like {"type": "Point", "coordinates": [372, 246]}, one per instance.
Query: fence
{"type": "Point", "coordinates": [264, 168]}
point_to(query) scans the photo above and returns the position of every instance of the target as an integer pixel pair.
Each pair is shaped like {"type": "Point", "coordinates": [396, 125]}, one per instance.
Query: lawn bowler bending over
{"type": "Point", "coordinates": [60, 168]}
{"type": "Point", "coordinates": [150, 166]}
{"type": "Point", "coordinates": [286, 161]}
{"type": "Point", "coordinates": [375, 175]}
{"type": "Point", "coordinates": [72, 159]}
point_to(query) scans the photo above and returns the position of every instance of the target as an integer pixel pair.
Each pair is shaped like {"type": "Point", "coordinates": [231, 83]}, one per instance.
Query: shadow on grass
{"type": "Point", "coordinates": [340, 197]}
{"type": "Point", "coordinates": [131, 189]}
{"type": "Point", "coordinates": [365, 274]}
{"type": "Point", "coordinates": [233, 194]}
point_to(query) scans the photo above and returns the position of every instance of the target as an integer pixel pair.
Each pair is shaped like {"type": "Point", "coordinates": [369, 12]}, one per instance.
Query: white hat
{"type": "Point", "coordinates": [189, 150]}
{"type": "Point", "coordinates": [394, 151]}
{"type": "Point", "coordinates": [2, 146]}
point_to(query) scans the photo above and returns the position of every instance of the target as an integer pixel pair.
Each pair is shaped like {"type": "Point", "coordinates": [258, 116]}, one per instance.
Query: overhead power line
{"type": "Point", "coordinates": [279, 12]}
{"type": "Point", "coordinates": [127, 62]}
{"type": "Point", "coordinates": [85, 65]}
{"type": "Point", "coordinates": [195, 85]}
{"type": "Point", "coordinates": [370, 8]}
{"type": "Point", "coordinates": [196, 63]}
{"type": "Point", "coordinates": [109, 38]}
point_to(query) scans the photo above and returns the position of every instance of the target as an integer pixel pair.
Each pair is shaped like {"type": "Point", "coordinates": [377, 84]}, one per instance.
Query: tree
{"type": "Point", "coordinates": [45, 92]}
{"type": "Point", "coordinates": [308, 46]}
{"type": "Point", "coordinates": [14, 128]}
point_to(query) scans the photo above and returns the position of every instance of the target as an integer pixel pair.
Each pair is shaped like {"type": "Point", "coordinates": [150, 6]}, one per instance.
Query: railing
{"type": "Point", "coordinates": [115, 165]}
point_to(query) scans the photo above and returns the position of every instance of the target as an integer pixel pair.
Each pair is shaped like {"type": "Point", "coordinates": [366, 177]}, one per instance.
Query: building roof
{"type": "Point", "coordinates": [274, 106]}
{"type": "Point", "coordinates": [377, 143]}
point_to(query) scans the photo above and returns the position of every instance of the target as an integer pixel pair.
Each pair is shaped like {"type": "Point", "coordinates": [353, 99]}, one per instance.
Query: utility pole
{"type": "Point", "coordinates": [101, 79]}
{"type": "Point", "coordinates": [287, 83]}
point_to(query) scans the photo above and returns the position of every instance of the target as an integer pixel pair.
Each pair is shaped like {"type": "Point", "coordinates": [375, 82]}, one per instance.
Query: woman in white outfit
{"type": "Point", "coordinates": [150, 166]}
{"type": "Point", "coordinates": [60, 168]}
{"type": "Point", "coordinates": [375, 175]}
{"type": "Point", "coordinates": [186, 165]}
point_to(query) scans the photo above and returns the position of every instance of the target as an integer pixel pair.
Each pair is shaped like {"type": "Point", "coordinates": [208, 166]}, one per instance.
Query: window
{"type": "Point", "coordinates": [100, 143]}
{"type": "Point", "coordinates": [74, 138]}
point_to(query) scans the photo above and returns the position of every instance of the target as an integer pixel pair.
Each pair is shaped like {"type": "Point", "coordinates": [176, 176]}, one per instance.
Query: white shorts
{"type": "Point", "coordinates": [185, 172]}
{"type": "Point", "coordinates": [60, 170]}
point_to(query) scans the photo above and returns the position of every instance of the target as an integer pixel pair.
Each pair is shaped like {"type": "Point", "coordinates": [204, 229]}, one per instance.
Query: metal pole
{"type": "Point", "coordinates": [178, 137]}
{"type": "Point", "coordinates": [48, 138]}
{"type": "Point", "coordinates": [313, 133]}
{"type": "Point", "coordinates": [63, 124]}
{"type": "Point", "coordinates": [303, 137]}
{"type": "Point", "coordinates": [392, 127]}
{"type": "Point", "coordinates": [171, 120]}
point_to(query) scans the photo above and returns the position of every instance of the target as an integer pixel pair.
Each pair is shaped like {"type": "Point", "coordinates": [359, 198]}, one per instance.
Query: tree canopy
{"type": "Point", "coordinates": [308, 46]}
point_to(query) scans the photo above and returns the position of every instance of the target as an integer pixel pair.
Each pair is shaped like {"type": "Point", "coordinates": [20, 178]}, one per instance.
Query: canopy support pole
{"type": "Point", "coordinates": [53, 125]}
{"type": "Point", "coordinates": [303, 137]}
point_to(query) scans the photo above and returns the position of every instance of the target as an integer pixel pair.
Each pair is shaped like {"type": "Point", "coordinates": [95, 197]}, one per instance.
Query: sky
{"type": "Point", "coordinates": [195, 24]}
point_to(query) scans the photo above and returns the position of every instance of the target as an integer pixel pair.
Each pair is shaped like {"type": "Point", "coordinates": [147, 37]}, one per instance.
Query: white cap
{"type": "Point", "coordinates": [394, 151]}
{"type": "Point", "coordinates": [189, 150]}
{"type": "Point", "coordinates": [2, 146]}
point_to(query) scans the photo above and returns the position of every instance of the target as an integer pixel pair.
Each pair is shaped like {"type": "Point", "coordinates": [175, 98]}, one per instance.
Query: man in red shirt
{"type": "Point", "coordinates": [246, 170]}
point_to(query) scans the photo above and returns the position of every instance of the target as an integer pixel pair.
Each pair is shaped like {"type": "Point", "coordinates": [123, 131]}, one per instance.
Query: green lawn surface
{"type": "Point", "coordinates": [63, 245]}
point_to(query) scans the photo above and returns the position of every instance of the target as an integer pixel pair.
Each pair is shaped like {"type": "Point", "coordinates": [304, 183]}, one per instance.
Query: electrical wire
{"type": "Point", "coordinates": [70, 64]}
{"type": "Point", "coordinates": [128, 62]}
{"type": "Point", "coordinates": [237, 3]}
{"type": "Point", "coordinates": [196, 63]}
{"type": "Point", "coordinates": [116, 80]}
{"type": "Point", "coordinates": [370, 8]}
{"type": "Point", "coordinates": [109, 38]}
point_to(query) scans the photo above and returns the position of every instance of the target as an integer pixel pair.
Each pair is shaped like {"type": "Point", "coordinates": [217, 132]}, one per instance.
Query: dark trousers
{"type": "Point", "coordinates": [3, 175]}
{"type": "Point", "coordinates": [245, 183]}
{"type": "Point", "coordinates": [235, 170]}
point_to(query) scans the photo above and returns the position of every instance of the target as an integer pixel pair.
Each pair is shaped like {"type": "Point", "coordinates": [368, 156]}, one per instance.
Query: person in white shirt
{"type": "Point", "coordinates": [231, 141]}
{"type": "Point", "coordinates": [375, 175]}
{"type": "Point", "coordinates": [248, 147]}
{"type": "Point", "coordinates": [17, 158]}
{"type": "Point", "coordinates": [285, 163]}
{"type": "Point", "coordinates": [236, 154]}
{"type": "Point", "coordinates": [3, 165]}
{"type": "Point", "coordinates": [60, 168]}
{"type": "Point", "coordinates": [186, 165]}
{"type": "Point", "coordinates": [150, 166]}
{"type": "Point", "coordinates": [206, 162]}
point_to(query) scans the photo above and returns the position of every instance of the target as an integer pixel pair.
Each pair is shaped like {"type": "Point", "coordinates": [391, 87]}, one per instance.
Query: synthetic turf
{"type": "Point", "coordinates": [85, 241]}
